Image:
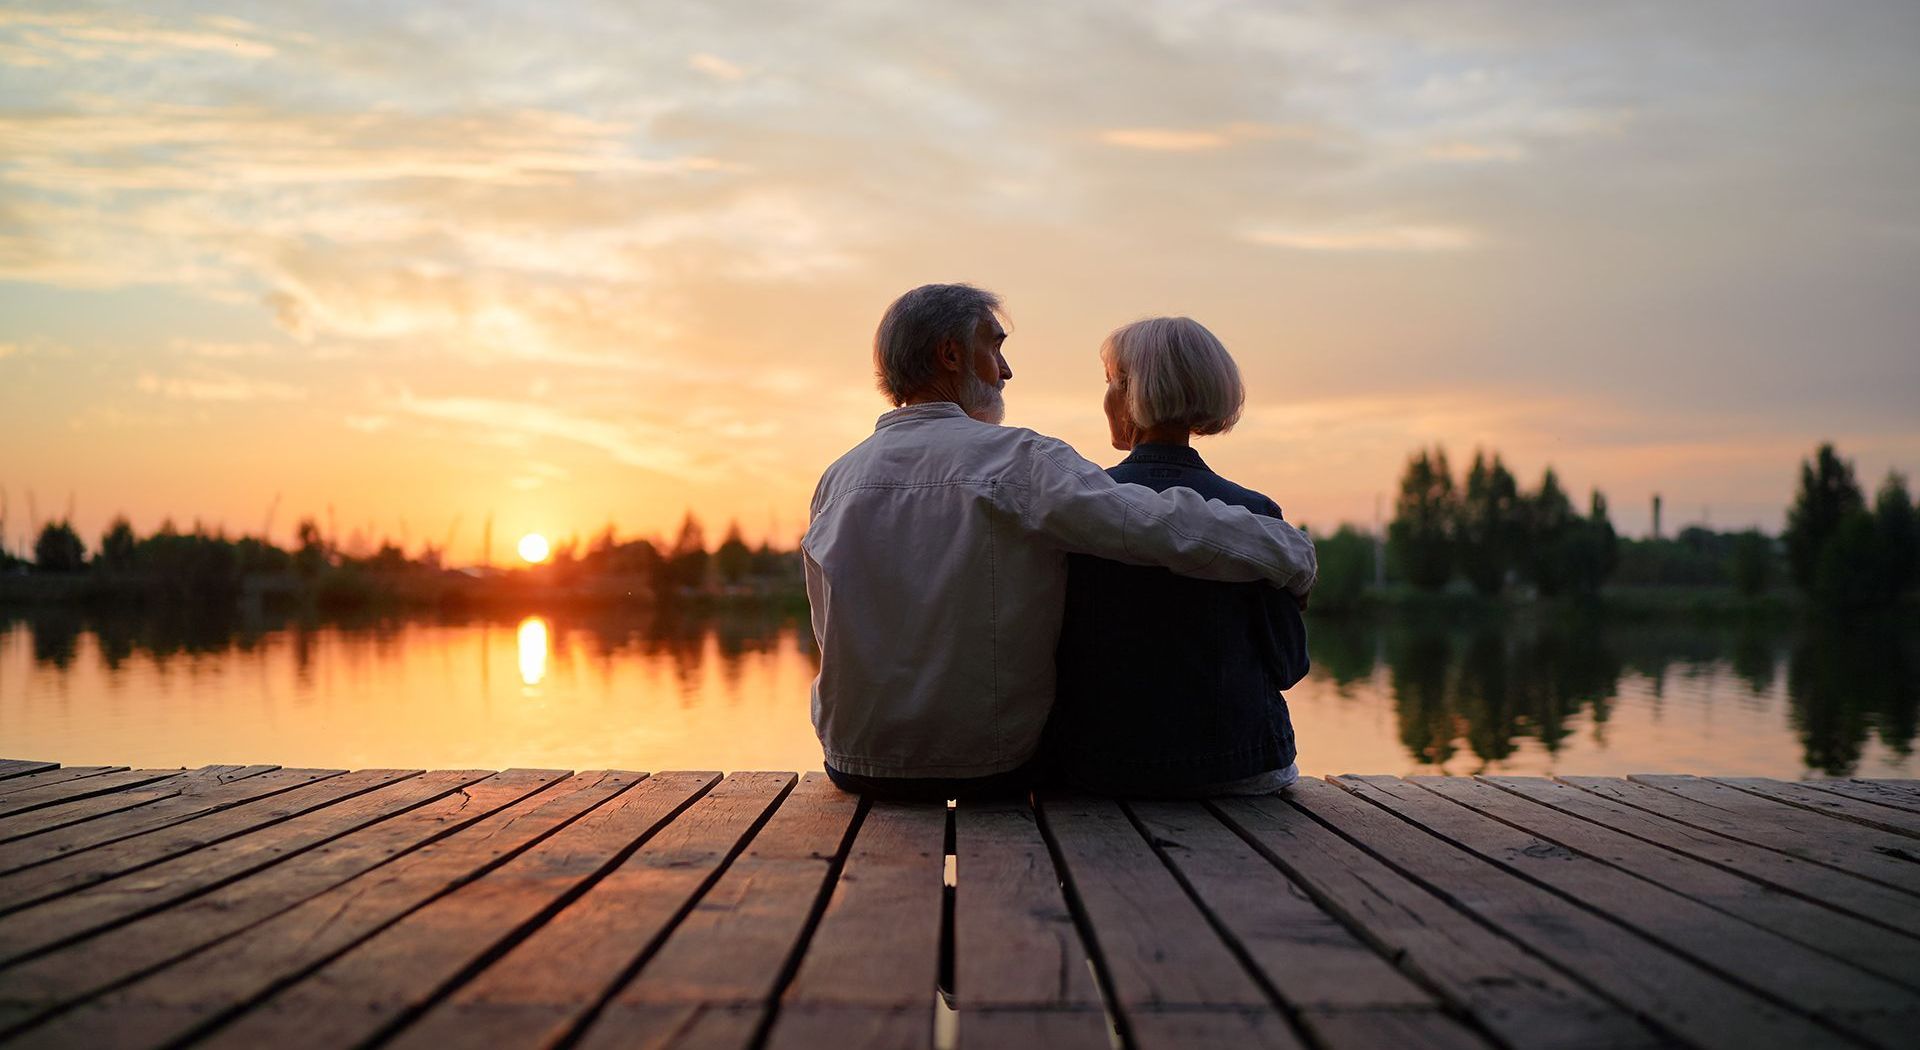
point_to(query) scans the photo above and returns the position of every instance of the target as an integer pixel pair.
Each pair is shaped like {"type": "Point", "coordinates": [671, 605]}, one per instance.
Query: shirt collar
{"type": "Point", "coordinates": [924, 410]}
{"type": "Point", "coordinates": [1177, 455]}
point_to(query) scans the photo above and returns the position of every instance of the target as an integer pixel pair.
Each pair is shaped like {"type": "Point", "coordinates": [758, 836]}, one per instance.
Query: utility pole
{"type": "Point", "coordinates": [486, 543]}
{"type": "Point", "coordinates": [1656, 515]}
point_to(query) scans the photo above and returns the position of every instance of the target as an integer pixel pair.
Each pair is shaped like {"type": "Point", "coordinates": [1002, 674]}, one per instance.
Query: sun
{"type": "Point", "coordinates": [533, 547]}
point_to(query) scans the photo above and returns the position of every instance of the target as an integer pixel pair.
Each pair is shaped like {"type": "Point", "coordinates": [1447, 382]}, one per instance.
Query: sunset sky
{"type": "Point", "coordinates": [575, 263]}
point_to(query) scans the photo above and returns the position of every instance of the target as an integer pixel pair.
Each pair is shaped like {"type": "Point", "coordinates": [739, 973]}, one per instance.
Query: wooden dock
{"type": "Point", "coordinates": [248, 906]}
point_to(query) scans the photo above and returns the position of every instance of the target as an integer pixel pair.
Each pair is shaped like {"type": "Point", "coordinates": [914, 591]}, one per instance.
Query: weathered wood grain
{"type": "Point", "coordinates": [35, 989]}
{"type": "Point", "coordinates": [1893, 956]}
{"type": "Point", "coordinates": [1155, 945]}
{"type": "Point", "coordinates": [1888, 859]}
{"type": "Point", "coordinates": [1278, 927]}
{"type": "Point", "coordinates": [537, 993]}
{"type": "Point", "coordinates": [28, 800]}
{"type": "Point", "coordinates": [1067, 1028]}
{"type": "Point", "coordinates": [1678, 995]}
{"type": "Point", "coordinates": [1879, 792]}
{"type": "Point", "coordinates": [311, 789]}
{"type": "Point", "coordinates": [49, 776]}
{"type": "Point", "coordinates": [877, 944]}
{"type": "Point", "coordinates": [1021, 974]}
{"type": "Point", "coordinates": [1187, 1028]}
{"type": "Point", "coordinates": [1825, 886]}
{"type": "Point", "coordinates": [20, 767]}
{"type": "Point", "coordinates": [1015, 944]}
{"type": "Point", "coordinates": [216, 984]}
{"type": "Point", "coordinates": [1873, 815]}
{"type": "Point", "coordinates": [382, 981]}
{"type": "Point", "coordinates": [464, 909]}
{"type": "Point", "coordinates": [292, 822]}
{"type": "Point", "coordinates": [1849, 998]}
{"type": "Point", "coordinates": [57, 831]}
{"type": "Point", "coordinates": [726, 958]}
{"type": "Point", "coordinates": [1510, 991]}
{"type": "Point", "coordinates": [811, 1026]}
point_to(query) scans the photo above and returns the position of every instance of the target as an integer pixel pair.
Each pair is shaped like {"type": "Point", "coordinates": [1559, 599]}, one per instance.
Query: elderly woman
{"type": "Point", "coordinates": [1170, 686]}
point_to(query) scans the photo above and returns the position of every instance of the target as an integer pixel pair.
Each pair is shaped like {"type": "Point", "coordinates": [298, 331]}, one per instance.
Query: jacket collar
{"type": "Point", "coordinates": [1175, 455]}
{"type": "Point", "coordinates": [924, 410]}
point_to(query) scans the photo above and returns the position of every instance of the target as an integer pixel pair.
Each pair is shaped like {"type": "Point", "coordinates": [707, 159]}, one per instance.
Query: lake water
{"type": "Point", "coordinates": [1405, 695]}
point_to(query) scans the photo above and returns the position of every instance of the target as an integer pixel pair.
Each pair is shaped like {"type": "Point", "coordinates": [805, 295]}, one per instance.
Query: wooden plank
{"type": "Point", "coordinates": [1878, 792]}
{"type": "Point", "coordinates": [40, 987]}
{"type": "Point", "coordinates": [1273, 920]}
{"type": "Point", "coordinates": [1676, 994]}
{"type": "Point", "coordinates": [379, 983]}
{"type": "Point", "coordinates": [287, 825]}
{"type": "Point", "coordinates": [877, 945]}
{"type": "Point", "coordinates": [1511, 992]}
{"type": "Point", "coordinates": [55, 794]}
{"type": "Point", "coordinates": [1897, 821]}
{"type": "Point", "coordinates": [1187, 1028]}
{"type": "Point", "coordinates": [1015, 944]}
{"type": "Point", "coordinates": [540, 991]}
{"type": "Point", "coordinates": [47, 818]}
{"type": "Point", "coordinates": [1022, 977]}
{"type": "Point", "coordinates": [720, 966]}
{"type": "Point", "coordinates": [1893, 956]}
{"type": "Point", "coordinates": [1887, 859]}
{"type": "Point", "coordinates": [1853, 1001]}
{"type": "Point", "coordinates": [1826, 886]}
{"type": "Point", "coordinates": [20, 767]}
{"type": "Point", "coordinates": [848, 1027]}
{"type": "Point", "coordinates": [54, 775]}
{"type": "Point", "coordinates": [996, 1028]}
{"type": "Point", "coordinates": [1274, 925]}
{"type": "Point", "coordinates": [311, 788]}
{"type": "Point", "coordinates": [40, 836]}
{"type": "Point", "coordinates": [211, 986]}
{"type": "Point", "coordinates": [1153, 943]}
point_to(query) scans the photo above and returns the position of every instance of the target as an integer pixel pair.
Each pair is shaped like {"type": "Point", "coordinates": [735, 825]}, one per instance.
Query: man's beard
{"type": "Point", "coordinates": [981, 400]}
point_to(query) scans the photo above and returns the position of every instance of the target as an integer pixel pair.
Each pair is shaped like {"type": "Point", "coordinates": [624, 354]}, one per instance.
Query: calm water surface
{"type": "Point", "coordinates": [1404, 695]}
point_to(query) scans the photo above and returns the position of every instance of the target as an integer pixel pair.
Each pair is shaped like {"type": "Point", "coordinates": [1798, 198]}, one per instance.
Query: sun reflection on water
{"type": "Point", "coordinates": [533, 650]}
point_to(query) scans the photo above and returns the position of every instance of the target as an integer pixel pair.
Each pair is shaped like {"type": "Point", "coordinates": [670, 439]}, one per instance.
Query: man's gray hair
{"type": "Point", "coordinates": [906, 345]}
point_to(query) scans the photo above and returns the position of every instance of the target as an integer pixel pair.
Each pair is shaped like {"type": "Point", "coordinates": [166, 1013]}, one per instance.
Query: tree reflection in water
{"type": "Point", "coordinates": [1487, 682]}
{"type": "Point", "coordinates": [1472, 686]}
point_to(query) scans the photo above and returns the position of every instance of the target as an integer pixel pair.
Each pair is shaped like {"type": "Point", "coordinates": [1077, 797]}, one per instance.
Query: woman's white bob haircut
{"type": "Point", "coordinates": [1176, 373]}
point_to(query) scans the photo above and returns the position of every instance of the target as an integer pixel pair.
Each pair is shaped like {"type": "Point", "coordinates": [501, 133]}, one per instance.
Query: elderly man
{"type": "Point", "coordinates": [936, 561]}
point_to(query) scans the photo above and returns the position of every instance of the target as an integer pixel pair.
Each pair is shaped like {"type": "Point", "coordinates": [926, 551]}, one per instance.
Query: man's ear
{"type": "Point", "coordinates": [950, 354]}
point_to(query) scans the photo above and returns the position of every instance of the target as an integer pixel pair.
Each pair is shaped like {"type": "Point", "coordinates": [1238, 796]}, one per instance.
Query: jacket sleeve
{"type": "Point", "coordinates": [1074, 503]}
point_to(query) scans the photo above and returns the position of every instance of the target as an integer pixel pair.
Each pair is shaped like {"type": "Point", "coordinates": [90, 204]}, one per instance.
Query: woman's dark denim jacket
{"type": "Point", "coordinates": [1166, 682]}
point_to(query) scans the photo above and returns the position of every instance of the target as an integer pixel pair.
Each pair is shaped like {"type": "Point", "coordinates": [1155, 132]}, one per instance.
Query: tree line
{"type": "Point", "coordinates": [1483, 530]}
{"type": "Point", "coordinates": [205, 565]}
{"type": "Point", "coordinates": [1488, 531]}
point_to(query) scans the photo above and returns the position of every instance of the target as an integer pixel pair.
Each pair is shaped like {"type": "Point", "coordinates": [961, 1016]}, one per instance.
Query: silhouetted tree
{"type": "Point", "coordinates": [1828, 496]}
{"type": "Point", "coordinates": [59, 549]}
{"type": "Point", "coordinates": [1421, 535]}
{"type": "Point", "coordinates": [1752, 563]}
{"type": "Point", "coordinates": [117, 546]}
{"type": "Point", "coordinates": [1546, 528]}
{"type": "Point", "coordinates": [686, 565]}
{"type": "Point", "coordinates": [310, 560]}
{"type": "Point", "coordinates": [1346, 567]}
{"type": "Point", "coordinates": [1899, 528]}
{"type": "Point", "coordinates": [734, 559]}
{"type": "Point", "coordinates": [1487, 524]}
{"type": "Point", "coordinates": [1592, 549]}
